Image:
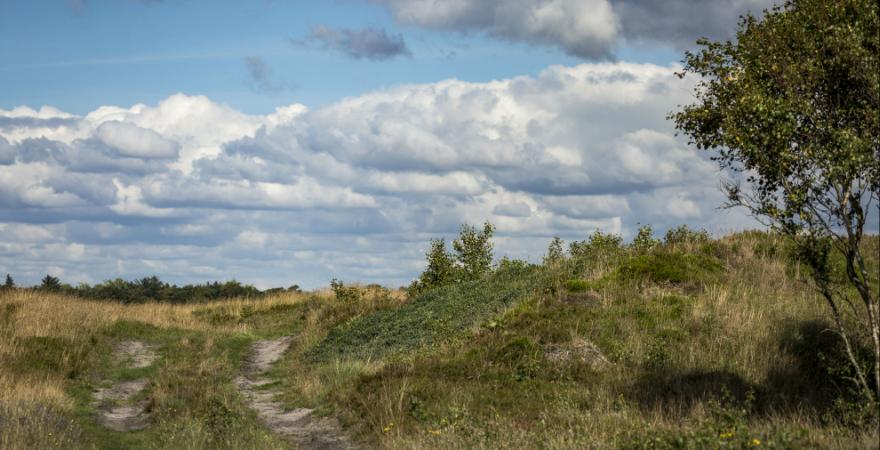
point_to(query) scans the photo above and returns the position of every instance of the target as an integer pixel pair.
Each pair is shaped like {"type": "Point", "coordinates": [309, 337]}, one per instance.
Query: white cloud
{"type": "Point", "coordinates": [193, 189]}
{"type": "Point", "coordinates": [132, 140]}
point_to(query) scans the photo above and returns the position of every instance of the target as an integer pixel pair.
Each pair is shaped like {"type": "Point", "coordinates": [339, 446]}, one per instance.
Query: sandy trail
{"type": "Point", "coordinates": [297, 426]}
{"type": "Point", "coordinates": [115, 409]}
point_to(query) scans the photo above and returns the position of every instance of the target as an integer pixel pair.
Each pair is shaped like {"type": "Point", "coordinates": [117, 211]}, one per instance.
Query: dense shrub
{"type": "Point", "coordinates": [671, 267]}
{"type": "Point", "coordinates": [345, 293]}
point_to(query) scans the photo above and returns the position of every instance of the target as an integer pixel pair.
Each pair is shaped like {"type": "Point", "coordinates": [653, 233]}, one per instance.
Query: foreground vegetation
{"type": "Point", "coordinates": [684, 342]}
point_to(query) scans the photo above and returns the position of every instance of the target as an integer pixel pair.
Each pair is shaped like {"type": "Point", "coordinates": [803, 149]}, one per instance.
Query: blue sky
{"type": "Point", "coordinates": [78, 56]}
{"type": "Point", "coordinates": [281, 141]}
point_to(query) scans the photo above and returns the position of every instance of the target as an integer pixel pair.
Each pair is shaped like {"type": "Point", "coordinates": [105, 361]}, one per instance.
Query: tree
{"type": "Point", "coordinates": [440, 270]}
{"type": "Point", "coordinates": [792, 104]}
{"type": "Point", "coordinates": [50, 283]}
{"type": "Point", "coordinates": [10, 283]}
{"type": "Point", "coordinates": [473, 251]}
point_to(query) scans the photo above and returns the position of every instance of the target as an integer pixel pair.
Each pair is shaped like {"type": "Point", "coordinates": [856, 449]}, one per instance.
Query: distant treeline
{"type": "Point", "coordinates": [152, 289]}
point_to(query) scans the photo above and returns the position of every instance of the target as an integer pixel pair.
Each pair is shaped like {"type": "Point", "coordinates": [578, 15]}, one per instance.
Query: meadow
{"type": "Point", "coordinates": [683, 342]}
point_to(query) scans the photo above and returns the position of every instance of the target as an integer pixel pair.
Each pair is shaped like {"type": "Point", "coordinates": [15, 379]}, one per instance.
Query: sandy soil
{"type": "Point", "coordinates": [297, 426]}
{"type": "Point", "coordinates": [115, 408]}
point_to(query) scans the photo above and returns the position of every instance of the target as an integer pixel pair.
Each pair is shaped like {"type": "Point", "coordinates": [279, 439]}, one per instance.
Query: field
{"type": "Point", "coordinates": [692, 343]}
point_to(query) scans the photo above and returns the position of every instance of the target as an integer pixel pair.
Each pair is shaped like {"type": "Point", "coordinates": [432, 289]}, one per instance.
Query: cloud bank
{"type": "Point", "coordinates": [194, 190]}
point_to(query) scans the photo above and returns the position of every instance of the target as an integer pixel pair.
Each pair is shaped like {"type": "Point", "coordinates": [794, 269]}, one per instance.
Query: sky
{"type": "Point", "coordinates": [282, 142]}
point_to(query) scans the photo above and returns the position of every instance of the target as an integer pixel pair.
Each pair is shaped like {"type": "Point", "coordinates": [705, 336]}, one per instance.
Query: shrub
{"type": "Point", "coordinates": [576, 285]}
{"type": "Point", "coordinates": [683, 235]}
{"type": "Point", "coordinates": [600, 250]}
{"type": "Point", "coordinates": [345, 293]}
{"type": "Point", "coordinates": [555, 253]}
{"type": "Point", "coordinates": [644, 240]}
{"type": "Point", "coordinates": [670, 267]}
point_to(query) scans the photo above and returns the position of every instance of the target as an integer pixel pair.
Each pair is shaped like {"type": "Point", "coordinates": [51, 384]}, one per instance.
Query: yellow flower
{"type": "Point", "coordinates": [388, 427]}
{"type": "Point", "coordinates": [756, 442]}
{"type": "Point", "coordinates": [727, 435]}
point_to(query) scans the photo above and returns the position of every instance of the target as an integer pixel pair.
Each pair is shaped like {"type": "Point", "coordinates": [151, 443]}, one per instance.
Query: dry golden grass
{"type": "Point", "coordinates": [39, 314]}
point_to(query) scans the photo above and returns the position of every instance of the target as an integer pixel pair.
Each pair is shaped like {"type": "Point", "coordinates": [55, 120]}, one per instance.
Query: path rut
{"type": "Point", "coordinates": [297, 426]}
{"type": "Point", "coordinates": [114, 404]}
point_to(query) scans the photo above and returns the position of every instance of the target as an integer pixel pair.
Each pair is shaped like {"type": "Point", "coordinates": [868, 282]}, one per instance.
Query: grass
{"type": "Point", "coordinates": [713, 344]}
{"type": "Point", "coordinates": [431, 319]}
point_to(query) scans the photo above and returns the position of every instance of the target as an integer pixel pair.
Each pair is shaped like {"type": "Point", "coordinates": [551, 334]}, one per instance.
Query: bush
{"type": "Point", "coordinates": [555, 253]}
{"type": "Point", "coordinates": [345, 293]}
{"type": "Point", "coordinates": [600, 250]}
{"type": "Point", "coordinates": [671, 267]}
{"type": "Point", "coordinates": [683, 235]}
{"type": "Point", "coordinates": [576, 285]}
{"type": "Point", "coordinates": [644, 240]}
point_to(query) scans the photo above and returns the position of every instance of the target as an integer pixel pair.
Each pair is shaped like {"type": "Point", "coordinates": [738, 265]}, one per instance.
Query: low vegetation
{"type": "Point", "coordinates": [151, 289]}
{"type": "Point", "coordinates": [680, 342]}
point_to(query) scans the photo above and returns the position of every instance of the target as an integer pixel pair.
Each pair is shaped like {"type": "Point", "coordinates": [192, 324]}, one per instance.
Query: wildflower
{"type": "Point", "coordinates": [727, 435]}
{"type": "Point", "coordinates": [756, 442]}
{"type": "Point", "coordinates": [388, 427]}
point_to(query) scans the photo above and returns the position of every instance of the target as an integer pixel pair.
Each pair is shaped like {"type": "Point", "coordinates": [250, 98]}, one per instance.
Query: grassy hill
{"type": "Point", "coordinates": [687, 343]}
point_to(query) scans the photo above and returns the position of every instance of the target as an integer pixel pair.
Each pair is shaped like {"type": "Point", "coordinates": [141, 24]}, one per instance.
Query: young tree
{"type": "Point", "coordinates": [50, 283]}
{"type": "Point", "coordinates": [792, 104]}
{"type": "Point", "coordinates": [473, 251]}
{"type": "Point", "coordinates": [10, 283]}
{"type": "Point", "coordinates": [441, 269]}
{"type": "Point", "coordinates": [555, 253]}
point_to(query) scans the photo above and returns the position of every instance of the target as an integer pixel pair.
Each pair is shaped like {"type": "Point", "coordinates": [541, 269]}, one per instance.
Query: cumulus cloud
{"type": "Point", "coordinates": [132, 140]}
{"type": "Point", "coordinates": [192, 189]}
{"type": "Point", "coordinates": [584, 28]}
{"type": "Point", "coordinates": [366, 43]}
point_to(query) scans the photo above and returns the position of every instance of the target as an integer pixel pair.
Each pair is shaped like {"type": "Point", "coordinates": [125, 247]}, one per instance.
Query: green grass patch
{"type": "Point", "coordinates": [433, 317]}
{"type": "Point", "coordinates": [672, 267]}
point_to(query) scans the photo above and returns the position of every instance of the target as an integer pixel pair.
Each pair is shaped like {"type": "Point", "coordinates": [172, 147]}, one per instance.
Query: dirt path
{"type": "Point", "coordinates": [114, 404]}
{"type": "Point", "coordinates": [297, 426]}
